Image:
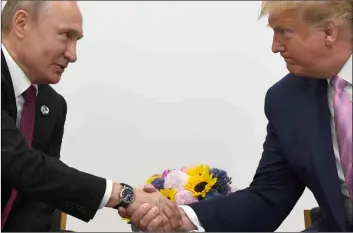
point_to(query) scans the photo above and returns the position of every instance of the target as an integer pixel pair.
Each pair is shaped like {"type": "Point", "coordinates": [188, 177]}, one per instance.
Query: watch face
{"type": "Point", "coordinates": [128, 195]}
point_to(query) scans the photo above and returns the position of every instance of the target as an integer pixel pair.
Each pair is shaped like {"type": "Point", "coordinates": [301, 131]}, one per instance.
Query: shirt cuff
{"type": "Point", "coordinates": [190, 213]}
{"type": "Point", "coordinates": [107, 194]}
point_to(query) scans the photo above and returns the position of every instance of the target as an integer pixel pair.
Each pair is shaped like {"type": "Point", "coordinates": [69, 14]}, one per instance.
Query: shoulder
{"type": "Point", "coordinates": [288, 84]}
{"type": "Point", "coordinates": [287, 87]}
{"type": "Point", "coordinates": [284, 93]}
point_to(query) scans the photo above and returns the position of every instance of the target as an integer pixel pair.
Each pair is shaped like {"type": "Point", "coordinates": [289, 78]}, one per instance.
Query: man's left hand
{"type": "Point", "coordinates": [165, 216]}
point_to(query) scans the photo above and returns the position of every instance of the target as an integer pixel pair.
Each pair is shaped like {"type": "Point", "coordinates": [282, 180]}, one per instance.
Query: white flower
{"type": "Point", "coordinates": [176, 179]}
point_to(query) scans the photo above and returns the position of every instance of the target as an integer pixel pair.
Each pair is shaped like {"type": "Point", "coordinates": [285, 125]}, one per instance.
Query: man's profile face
{"type": "Point", "coordinates": [49, 44]}
{"type": "Point", "coordinates": [302, 47]}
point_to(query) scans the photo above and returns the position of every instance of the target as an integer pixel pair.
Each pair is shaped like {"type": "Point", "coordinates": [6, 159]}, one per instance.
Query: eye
{"type": "Point", "coordinates": [283, 32]}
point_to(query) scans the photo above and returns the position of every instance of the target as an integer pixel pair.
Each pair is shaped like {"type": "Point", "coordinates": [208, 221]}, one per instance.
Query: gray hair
{"type": "Point", "coordinates": [12, 6]}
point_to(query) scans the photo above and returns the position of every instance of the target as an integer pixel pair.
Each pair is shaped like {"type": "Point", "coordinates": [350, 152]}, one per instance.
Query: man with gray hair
{"type": "Point", "coordinates": [309, 131]}
{"type": "Point", "coordinates": [38, 42]}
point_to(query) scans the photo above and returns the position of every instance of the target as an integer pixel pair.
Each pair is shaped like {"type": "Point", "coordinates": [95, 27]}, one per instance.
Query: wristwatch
{"type": "Point", "coordinates": [127, 196]}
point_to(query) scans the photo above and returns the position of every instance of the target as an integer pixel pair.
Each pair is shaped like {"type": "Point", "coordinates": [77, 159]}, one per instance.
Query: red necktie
{"type": "Point", "coordinates": [26, 128]}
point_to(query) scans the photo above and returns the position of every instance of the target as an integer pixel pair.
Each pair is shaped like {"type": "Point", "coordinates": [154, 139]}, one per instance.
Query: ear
{"type": "Point", "coordinates": [20, 23]}
{"type": "Point", "coordinates": [331, 30]}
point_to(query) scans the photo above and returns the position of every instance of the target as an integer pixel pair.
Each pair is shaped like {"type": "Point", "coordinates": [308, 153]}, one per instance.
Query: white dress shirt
{"type": "Point", "coordinates": [346, 74]}
{"type": "Point", "coordinates": [20, 84]}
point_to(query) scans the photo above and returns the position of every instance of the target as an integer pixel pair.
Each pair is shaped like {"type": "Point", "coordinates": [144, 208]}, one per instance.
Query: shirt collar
{"type": "Point", "coordinates": [346, 71]}
{"type": "Point", "coordinates": [19, 80]}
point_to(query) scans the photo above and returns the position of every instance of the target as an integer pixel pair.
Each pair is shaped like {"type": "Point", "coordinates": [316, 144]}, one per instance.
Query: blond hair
{"type": "Point", "coordinates": [314, 12]}
{"type": "Point", "coordinates": [12, 6]}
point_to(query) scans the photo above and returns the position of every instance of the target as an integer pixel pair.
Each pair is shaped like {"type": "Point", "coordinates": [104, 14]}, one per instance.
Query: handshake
{"type": "Point", "coordinates": [160, 204]}
{"type": "Point", "coordinates": [149, 210]}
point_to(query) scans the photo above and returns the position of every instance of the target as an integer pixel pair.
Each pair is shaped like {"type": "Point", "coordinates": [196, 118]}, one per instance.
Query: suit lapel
{"type": "Point", "coordinates": [8, 100]}
{"type": "Point", "coordinates": [320, 139]}
{"type": "Point", "coordinates": [43, 120]}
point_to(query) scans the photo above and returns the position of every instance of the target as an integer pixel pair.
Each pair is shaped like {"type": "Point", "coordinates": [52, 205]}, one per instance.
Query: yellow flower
{"type": "Point", "coordinates": [198, 170]}
{"type": "Point", "coordinates": [200, 181]}
{"type": "Point", "coordinates": [168, 193]}
{"type": "Point", "coordinates": [152, 178]}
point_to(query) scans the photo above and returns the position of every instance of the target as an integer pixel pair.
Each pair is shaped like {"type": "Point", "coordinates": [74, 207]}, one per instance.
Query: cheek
{"type": "Point", "coordinates": [305, 52]}
{"type": "Point", "coordinates": [53, 51]}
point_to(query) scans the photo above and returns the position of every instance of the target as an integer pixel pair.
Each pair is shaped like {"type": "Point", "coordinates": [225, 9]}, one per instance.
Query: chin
{"type": "Point", "coordinates": [54, 79]}
{"type": "Point", "coordinates": [296, 70]}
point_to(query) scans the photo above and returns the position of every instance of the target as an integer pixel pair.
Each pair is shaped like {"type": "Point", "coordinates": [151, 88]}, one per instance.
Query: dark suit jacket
{"type": "Point", "coordinates": [37, 173]}
{"type": "Point", "coordinates": [298, 153]}
{"type": "Point", "coordinates": [29, 214]}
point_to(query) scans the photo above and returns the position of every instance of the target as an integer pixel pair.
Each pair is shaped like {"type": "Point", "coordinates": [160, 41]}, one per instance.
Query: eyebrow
{"type": "Point", "coordinates": [76, 34]}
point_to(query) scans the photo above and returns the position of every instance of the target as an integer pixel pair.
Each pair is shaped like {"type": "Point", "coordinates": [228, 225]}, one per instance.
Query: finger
{"type": "Point", "coordinates": [122, 212]}
{"type": "Point", "coordinates": [166, 224]}
{"type": "Point", "coordinates": [151, 220]}
{"type": "Point", "coordinates": [149, 188]}
{"type": "Point", "coordinates": [172, 212]}
{"type": "Point", "coordinates": [138, 214]}
{"type": "Point", "coordinates": [155, 225]}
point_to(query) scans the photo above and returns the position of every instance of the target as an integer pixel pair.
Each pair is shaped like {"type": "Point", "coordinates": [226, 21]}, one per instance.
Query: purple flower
{"type": "Point", "coordinates": [166, 172]}
{"type": "Point", "coordinates": [223, 181]}
{"type": "Point", "coordinates": [158, 183]}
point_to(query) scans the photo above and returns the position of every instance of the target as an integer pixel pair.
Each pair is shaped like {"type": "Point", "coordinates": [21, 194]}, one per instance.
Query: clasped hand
{"type": "Point", "coordinates": [151, 211]}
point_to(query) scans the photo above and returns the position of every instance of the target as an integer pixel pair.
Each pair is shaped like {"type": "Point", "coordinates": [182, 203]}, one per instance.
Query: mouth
{"type": "Point", "coordinates": [63, 66]}
{"type": "Point", "coordinates": [288, 59]}
{"type": "Point", "coordinates": [60, 68]}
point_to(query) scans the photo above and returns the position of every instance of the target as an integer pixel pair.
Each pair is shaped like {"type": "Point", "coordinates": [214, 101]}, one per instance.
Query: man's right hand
{"type": "Point", "coordinates": [141, 197]}
{"type": "Point", "coordinates": [164, 217]}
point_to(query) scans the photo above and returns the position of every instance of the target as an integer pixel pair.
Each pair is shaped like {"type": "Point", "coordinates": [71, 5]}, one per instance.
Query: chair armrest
{"type": "Point", "coordinates": [315, 214]}
{"type": "Point", "coordinates": [312, 215]}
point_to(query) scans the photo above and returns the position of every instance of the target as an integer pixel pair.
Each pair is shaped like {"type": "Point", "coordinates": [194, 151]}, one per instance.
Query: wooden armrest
{"type": "Point", "coordinates": [63, 221]}
{"type": "Point", "coordinates": [307, 219]}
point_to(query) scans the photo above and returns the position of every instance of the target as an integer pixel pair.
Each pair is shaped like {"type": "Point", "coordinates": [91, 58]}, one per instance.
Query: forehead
{"type": "Point", "coordinates": [285, 17]}
{"type": "Point", "coordinates": [62, 15]}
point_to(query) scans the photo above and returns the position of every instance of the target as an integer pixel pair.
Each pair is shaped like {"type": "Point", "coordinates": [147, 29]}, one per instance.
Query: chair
{"type": "Point", "coordinates": [58, 222]}
{"type": "Point", "coordinates": [310, 216]}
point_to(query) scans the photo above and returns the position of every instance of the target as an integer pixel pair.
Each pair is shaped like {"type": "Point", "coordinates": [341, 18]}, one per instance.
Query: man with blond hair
{"type": "Point", "coordinates": [309, 131]}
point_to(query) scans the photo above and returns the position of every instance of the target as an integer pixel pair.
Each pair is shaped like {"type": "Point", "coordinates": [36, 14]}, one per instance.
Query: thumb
{"type": "Point", "coordinates": [122, 212]}
{"type": "Point", "coordinates": [149, 188]}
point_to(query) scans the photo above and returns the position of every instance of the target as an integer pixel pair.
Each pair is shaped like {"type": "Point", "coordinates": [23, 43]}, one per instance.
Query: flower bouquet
{"type": "Point", "coordinates": [191, 184]}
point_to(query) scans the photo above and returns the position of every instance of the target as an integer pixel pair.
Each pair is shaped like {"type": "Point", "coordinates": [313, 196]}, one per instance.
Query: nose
{"type": "Point", "coordinates": [277, 46]}
{"type": "Point", "coordinates": [70, 53]}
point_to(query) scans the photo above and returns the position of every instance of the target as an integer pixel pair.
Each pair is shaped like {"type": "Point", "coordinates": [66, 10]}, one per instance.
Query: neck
{"type": "Point", "coordinates": [335, 64]}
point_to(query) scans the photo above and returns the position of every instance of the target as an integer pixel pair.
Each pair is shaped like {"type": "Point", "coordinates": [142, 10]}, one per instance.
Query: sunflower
{"type": "Point", "coordinates": [198, 170]}
{"type": "Point", "coordinates": [152, 178]}
{"type": "Point", "coordinates": [200, 183]}
{"type": "Point", "coordinates": [168, 193]}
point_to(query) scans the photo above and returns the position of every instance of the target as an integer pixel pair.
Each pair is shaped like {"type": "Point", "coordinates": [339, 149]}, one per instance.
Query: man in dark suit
{"type": "Point", "coordinates": [39, 41]}
{"type": "Point", "coordinates": [50, 113]}
{"type": "Point", "coordinates": [309, 133]}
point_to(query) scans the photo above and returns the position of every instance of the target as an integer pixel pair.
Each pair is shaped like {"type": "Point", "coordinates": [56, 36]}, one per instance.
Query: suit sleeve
{"type": "Point", "coordinates": [265, 204]}
{"type": "Point", "coordinates": [47, 179]}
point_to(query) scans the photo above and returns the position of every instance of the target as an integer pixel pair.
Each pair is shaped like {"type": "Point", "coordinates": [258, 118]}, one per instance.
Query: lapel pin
{"type": "Point", "coordinates": [45, 110]}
